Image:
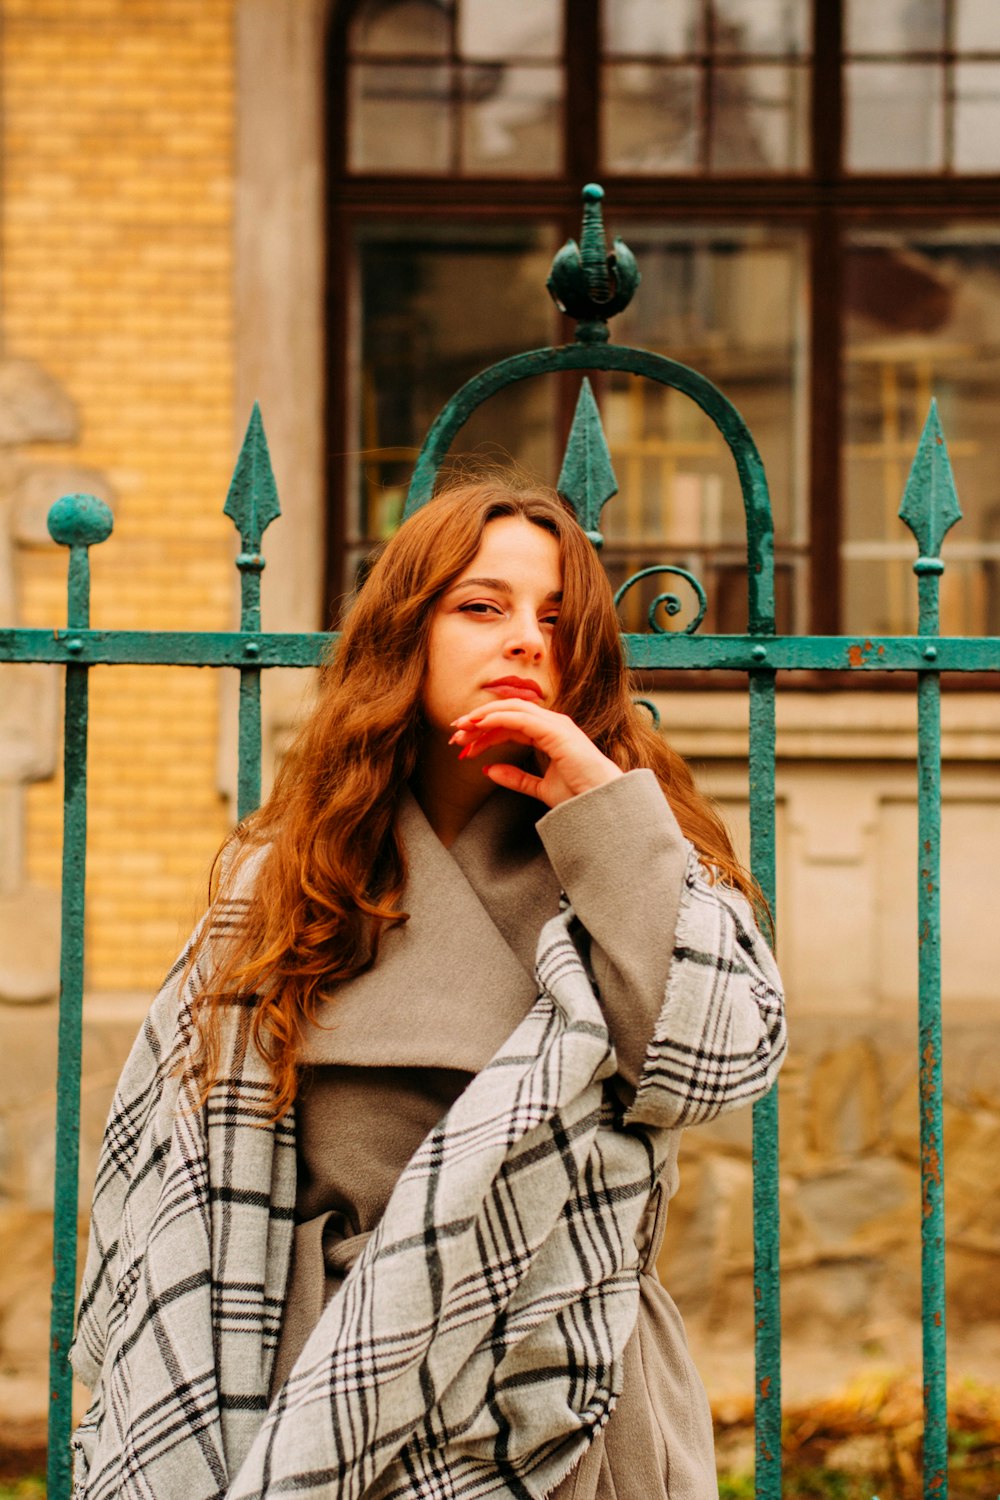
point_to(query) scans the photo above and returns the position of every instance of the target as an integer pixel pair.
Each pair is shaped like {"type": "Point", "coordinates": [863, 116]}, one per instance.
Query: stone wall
{"type": "Point", "coordinates": [848, 1105]}
{"type": "Point", "coordinates": [850, 1203]}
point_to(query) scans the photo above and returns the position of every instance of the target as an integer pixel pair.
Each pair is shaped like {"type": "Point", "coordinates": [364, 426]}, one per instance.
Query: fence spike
{"type": "Point", "coordinates": [587, 480]}
{"type": "Point", "coordinates": [252, 502]}
{"type": "Point", "coordinates": [929, 506]}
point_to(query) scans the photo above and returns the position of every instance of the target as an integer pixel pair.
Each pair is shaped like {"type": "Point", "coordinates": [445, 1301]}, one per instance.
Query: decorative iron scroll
{"type": "Point", "coordinates": [654, 712]}
{"type": "Point", "coordinates": [669, 601]}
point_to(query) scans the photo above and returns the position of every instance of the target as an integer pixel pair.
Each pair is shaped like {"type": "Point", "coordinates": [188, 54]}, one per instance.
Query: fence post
{"type": "Point", "coordinates": [252, 504]}
{"type": "Point", "coordinates": [77, 522]}
{"type": "Point", "coordinates": [766, 1211]}
{"type": "Point", "coordinates": [929, 508]}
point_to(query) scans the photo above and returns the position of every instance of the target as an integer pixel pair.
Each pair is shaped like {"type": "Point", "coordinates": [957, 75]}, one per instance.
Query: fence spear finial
{"type": "Point", "coordinates": [587, 480]}
{"type": "Point", "coordinates": [930, 501]}
{"type": "Point", "coordinates": [252, 502]}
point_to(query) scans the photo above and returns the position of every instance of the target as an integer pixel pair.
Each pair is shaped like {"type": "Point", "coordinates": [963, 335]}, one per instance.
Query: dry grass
{"type": "Point", "coordinates": [862, 1443]}
{"type": "Point", "coordinates": [866, 1442]}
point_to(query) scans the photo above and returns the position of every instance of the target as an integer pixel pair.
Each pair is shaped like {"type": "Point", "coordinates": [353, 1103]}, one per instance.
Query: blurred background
{"type": "Point", "coordinates": [344, 211]}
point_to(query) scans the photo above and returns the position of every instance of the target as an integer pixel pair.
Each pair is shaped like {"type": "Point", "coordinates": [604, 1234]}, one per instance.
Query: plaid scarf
{"type": "Point", "coordinates": [476, 1346]}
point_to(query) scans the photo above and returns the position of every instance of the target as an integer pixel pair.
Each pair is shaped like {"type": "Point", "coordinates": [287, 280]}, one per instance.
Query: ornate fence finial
{"type": "Point", "coordinates": [79, 522]}
{"type": "Point", "coordinates": [587, 480]}
{"type": "Point", "coordinates": [586, 281]}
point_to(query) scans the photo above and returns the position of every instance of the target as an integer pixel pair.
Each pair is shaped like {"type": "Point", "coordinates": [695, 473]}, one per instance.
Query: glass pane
{"type": "Point", "coordinates": [922, 320]}
{"type": "Point", "coordinates": [511, 120]}
{"type": "Point", "coordinates": [410, 28]}
{"type": "Point", "coordinates": [513, 28]}
{"type": "Point", "coordinates": [895, 117]}
{"type": "Point", "coordinates": [426, 328]}
{"type": "Point", "coordinates": [400, 119]}
{"type": "Point", "coordinates": [895, 26]}
{"type": "Point", "coordinates": [760, 119]}
{"type": "Point", "coordinates": [977, 117]}
{"type": "Point", "coordinates": [651, 118]}
{"type": "Point", "coordinates": [649, 28]}
{"type": "Point", "coordinates": [776, 27]}
{"type": "Point", "coordinates": [883, 596]}
{"type": "Point", "coordinates": [977, 26]}
{"type": "Point", "coordinates": [732, 303]}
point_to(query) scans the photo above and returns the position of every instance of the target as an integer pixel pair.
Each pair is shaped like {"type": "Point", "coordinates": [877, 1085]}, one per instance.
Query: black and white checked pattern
{"type": "Point", "coordinates": [476, 1346]}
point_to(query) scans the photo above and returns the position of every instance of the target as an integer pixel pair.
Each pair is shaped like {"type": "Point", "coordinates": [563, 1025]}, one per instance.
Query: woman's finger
{"type": "Point", "coordinates": [506, 708]}
{"type": "Point", "coordinates": [477, 743]}
{"type": "Point", "coordinates": [538, 725]}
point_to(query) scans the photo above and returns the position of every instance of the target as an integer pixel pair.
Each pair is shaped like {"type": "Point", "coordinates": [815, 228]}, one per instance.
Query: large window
{"type": "Point", "coordinates": [813, 194]}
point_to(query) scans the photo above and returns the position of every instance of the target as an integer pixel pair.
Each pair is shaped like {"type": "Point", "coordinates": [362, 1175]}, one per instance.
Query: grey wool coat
{"type": "Point", "coordinates": [438, 1279]}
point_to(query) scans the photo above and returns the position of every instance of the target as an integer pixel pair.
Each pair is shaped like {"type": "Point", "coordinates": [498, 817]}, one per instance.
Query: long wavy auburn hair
{"type": "Point", "coordinates": [330, 868]}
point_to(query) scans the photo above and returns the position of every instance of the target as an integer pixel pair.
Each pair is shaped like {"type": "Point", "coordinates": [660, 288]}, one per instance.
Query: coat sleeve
{"type": "Point", "coordinates": [687, 983]}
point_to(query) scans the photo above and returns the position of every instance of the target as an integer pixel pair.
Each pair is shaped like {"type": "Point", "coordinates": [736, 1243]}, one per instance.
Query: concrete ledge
{"type": "Point", "coordinates": [831, 726]}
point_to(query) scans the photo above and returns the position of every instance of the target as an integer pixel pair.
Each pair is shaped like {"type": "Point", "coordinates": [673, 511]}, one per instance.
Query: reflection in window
{"type": "Point", "coordinates": [721, 87]}
{"type": "Point", "coordinates": [923, 320]}
{"type": "Point", "coordinates": [923, 86]}
{"type": "Point", "coordinates": [427, 327]}
{"type": "Point", "coordinates": [730, 303]}
{"type": "Point", "coordinates": [456, 86]}
{"type": "Point", "coordinates": [410, 28]}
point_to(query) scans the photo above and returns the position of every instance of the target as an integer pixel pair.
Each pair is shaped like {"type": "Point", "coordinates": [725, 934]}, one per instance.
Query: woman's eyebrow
{"type": "Point", "coordinates": [501, 586]}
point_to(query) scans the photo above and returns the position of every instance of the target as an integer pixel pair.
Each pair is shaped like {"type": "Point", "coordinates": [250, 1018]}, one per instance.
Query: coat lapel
{"type": "Point", "coordinates": [454, 981]}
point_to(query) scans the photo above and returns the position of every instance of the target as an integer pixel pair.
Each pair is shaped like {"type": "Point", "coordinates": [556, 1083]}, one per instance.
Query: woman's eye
{"type": "Point", "coordinates": [550, 619]}
{"type": "Point", "coordinates": [479, 607]}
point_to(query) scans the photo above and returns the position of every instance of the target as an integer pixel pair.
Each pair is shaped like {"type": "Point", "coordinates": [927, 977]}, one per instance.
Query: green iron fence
{"type": "Point", "coordinates": [591, 285]}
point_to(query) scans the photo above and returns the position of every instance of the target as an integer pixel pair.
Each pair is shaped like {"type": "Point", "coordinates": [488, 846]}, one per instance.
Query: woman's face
{"type": "Point", "coordinates": [491, 633]}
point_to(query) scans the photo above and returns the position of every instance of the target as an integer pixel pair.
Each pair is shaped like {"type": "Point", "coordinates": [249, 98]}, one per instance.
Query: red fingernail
{"type": "Point", "coordinates": [463, 753]}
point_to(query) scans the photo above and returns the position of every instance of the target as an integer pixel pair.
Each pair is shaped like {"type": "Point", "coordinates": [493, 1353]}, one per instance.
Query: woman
{"type": "Point", "coordinates": [387, 1171]}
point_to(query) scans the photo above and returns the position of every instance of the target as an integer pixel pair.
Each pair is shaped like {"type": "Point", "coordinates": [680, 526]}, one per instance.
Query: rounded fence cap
{"type": "Point", "coordinates": [80, 521]}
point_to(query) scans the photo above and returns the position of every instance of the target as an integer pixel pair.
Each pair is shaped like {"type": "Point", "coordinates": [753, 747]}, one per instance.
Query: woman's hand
{"type": "Point", "coordinates": [573, 763]}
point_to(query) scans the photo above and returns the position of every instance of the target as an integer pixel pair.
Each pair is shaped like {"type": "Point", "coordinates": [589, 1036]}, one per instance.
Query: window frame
{"type": "Point", "coordinates": [825, 203]}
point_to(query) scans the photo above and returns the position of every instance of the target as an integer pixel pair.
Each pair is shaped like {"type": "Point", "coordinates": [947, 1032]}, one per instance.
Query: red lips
{"type": "Point", "coordinates": [521, 684]}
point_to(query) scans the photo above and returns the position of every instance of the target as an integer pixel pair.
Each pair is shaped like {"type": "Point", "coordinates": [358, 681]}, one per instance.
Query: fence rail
{"type": "Point", "coordinates": [929, 508]}
{"type": "Point", "coordinates": [673, 652]}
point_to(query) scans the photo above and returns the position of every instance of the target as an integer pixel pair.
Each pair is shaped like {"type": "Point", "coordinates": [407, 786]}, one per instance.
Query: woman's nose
{"type": "Point", "coordinates": [526, 640]}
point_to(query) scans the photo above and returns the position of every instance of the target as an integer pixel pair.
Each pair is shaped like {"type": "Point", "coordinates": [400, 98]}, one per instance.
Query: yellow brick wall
{"type": "Point", "coordinates": [116, 275]}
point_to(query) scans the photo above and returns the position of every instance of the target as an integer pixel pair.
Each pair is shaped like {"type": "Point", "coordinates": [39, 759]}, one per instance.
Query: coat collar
{"type": "Point", "coordinates": [454, 981]}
